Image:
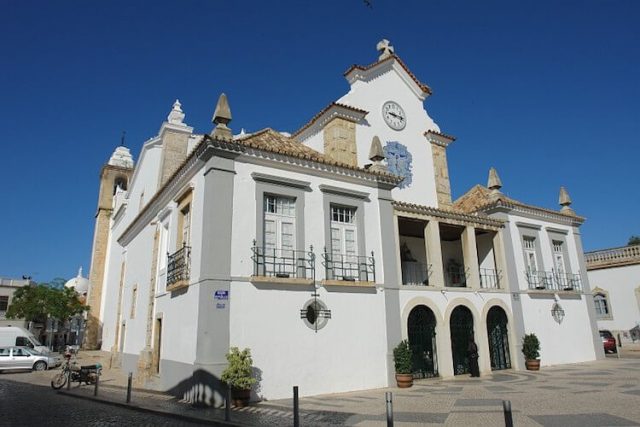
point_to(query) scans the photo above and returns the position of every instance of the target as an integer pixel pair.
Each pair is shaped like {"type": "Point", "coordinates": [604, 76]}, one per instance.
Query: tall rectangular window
{"type": "Point", "coordinates": [279, 224]}
{"type": "Point", "coordinates": [558, 257]}
{"type": "Point", "coordinates": [184, 220]}
{"type": "Point", "coordinates": [4, 303]}
{"type": "Point", "coordinates": [529, 246]}
{"type": "Point", "coordinates": [344, 231]}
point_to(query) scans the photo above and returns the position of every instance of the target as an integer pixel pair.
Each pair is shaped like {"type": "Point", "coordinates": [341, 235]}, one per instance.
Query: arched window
{"type": "Point", "coordinates": [601, 304]}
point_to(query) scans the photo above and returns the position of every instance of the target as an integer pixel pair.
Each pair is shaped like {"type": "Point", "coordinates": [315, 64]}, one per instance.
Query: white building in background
{"type": "Point", "coordinates": [614, 275]}
{"type": "Point", "coordinates": [323, 249]}
{"type": "Point", "coordinates": [7, 288]}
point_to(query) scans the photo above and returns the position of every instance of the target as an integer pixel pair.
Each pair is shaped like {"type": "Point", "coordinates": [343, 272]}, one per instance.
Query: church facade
{"type": "Point", "coordinates": [321, 250]}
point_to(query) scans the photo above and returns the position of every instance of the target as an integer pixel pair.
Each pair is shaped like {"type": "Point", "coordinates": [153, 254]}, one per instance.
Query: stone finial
{"type": "Point", "coordinates": [121, 157]}
{"type": "Point", "coordinates": [385, 49]}
{"type": "Point", "coordinates": [176, 116]}
{"type": "Point", "coordinates": [376, 155]}
{"type": "Point", "coordinates": [221, 117]}
{"type": "Point", "coordinates": [565, 201]}
{"type": "Point", "coordinates": [494, 184]}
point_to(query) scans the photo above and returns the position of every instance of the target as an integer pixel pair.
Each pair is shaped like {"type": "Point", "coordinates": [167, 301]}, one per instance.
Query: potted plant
{"type": "Point", "coordinates": [239, 375]}
{"type": "Point", "coordinates": [531, 351]}
{"type": "Point", "coordinates": [402, 360]}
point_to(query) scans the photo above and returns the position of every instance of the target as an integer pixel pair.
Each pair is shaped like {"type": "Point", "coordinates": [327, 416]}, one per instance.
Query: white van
{"type": "Point", "coordinates": [14, 336]}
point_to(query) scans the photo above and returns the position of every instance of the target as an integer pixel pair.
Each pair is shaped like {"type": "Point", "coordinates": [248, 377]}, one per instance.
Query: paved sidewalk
{"type": "Point", "coordinates": [602, 393]}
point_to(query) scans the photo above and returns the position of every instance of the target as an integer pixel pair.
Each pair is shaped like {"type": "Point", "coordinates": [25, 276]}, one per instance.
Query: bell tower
{"type": "Point", "coordinates": [115, 175]}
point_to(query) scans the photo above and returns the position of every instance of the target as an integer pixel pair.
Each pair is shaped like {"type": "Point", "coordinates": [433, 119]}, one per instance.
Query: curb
{"type": "Point", "coordinates": [153, 411]}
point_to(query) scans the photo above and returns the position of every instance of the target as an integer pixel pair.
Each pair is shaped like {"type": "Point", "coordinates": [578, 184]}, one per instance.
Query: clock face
{"type": "Point", "coordinates": [394, 115]}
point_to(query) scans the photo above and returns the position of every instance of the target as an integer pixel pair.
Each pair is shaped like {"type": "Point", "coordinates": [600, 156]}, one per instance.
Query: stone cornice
{"type": "Point", "coordinates": [531, 212]}
{"type": "Point", "coordinates": [438, 138]}
{"type": "Point", "coordinates": [447, 214]}
{"type": "Point", "coordinates": [327, 114]}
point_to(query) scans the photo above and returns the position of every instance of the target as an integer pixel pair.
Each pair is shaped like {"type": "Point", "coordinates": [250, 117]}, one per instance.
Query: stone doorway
{"type": "Point", "coordinates": [421, 330]}
{"type": "Point", "coordinates": [498, 339]}
{"type": "Point", "coordinates": [461, 326]}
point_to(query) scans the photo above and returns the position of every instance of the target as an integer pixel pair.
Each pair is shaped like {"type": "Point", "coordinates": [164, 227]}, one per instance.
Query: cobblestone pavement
{"type": "Point", "coordinates": [602, 393]}
{"type": "Point", "coordinates": [23, 404]}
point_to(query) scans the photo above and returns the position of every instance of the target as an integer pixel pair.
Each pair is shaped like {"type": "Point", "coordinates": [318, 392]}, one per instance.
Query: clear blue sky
{"type": "Point", "coordinates": [546, 91]}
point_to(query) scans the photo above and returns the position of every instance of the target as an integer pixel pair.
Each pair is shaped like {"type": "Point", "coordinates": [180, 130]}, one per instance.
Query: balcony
{"type": "Point", "coordinates": [456, 276]}
{"type": "Point", "coordinates": [550, 280]}
{"type": "Point", "coordinates": [285, 265]}
{"type": "Point", "coordinates": [489, 278]}
{"type": "Point", "coordinates": [179, 268]}
{"type": "Point", "coordinates": [349, 270]}
{"type": "Point", "coordinates": [415, 273]}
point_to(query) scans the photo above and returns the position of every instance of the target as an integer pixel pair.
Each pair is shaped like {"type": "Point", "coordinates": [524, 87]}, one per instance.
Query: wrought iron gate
{"type": "Point", "coordinates": [498, 339]}
{"type": "Point", "coordinates": [421, 329]}
{"type": "Point", "coordinates": [461, 325]}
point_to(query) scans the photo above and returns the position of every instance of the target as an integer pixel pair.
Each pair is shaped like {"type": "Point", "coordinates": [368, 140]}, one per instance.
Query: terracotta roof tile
{"type": "Point", "coordinates": [479, 198]}
{"type": "Point", "coordinates": [275, 142]}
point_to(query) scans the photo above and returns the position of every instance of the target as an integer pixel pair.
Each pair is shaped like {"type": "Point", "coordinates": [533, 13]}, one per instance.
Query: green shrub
{"type": "Point", "coordinates": [238, 373]}
{"type": "Point", "coordinates": [402, 358]}
{"type": "Point", "coordinates": [530, 346]}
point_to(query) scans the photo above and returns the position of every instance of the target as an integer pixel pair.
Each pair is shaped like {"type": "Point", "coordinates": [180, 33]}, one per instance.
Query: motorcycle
{"type": "Point", "coordinates": [71, 371]}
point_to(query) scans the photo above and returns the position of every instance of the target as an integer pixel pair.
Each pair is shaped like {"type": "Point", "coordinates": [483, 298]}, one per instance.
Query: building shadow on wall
{"type": "Point", "coordinates": [203, 389]}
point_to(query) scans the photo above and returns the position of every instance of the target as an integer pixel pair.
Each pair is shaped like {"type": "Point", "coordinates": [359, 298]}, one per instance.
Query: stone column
{"type": "Point", "coordinates": [434, 252]}
{"type": "Point", "coordinates": [482, 341]}
{"type": "Point", "coordinates": [586, 290]}
{"type": "Point", "coordinates": [500, 260]}
{"type": "Point", "coordinates": [213, 321]}
{"type": "Point", "coordinates": [470, 255]}
{"type": "Point", "coordinates": [445, 355]}
{"type": "Point", "coordinates": [389, 258]}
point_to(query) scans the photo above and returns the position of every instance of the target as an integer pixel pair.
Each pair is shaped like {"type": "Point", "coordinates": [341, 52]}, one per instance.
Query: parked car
{"type": "Point", "coordinates": [608, 341]}
{"type": "Point", "coordinates": [26, 358]}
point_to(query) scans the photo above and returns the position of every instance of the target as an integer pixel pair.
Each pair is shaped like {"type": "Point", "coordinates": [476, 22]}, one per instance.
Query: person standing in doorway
{"type": "Point", "coordinates": [472, 354]}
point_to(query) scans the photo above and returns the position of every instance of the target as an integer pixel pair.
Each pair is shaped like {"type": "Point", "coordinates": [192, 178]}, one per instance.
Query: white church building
{"type": "Point", "coordinates": [322, 249]}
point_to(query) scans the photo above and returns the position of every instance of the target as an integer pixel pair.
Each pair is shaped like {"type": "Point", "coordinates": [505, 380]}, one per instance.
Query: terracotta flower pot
{"type": "Point", "coordinates": [240, 397]}
{"type": "Point", "coordinates": [532, 364]}
{"type": "Point", "coordinates": [404, 380]}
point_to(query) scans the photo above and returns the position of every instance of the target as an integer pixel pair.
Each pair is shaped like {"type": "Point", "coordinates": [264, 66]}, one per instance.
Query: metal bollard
{"type": "Point", "coordinates": [508, 419]}
{"type": "Point", "coordinates": [68, 374]}
{"type": "Point", "coordinates": [389, 401]}
{"type": "Point", "coordinates": [95, 389]}
{"type": "Point", "coordinates": [227, 405]}
{"type": "Point", "coordinates": [129, 380]}
{"type": "Point", "coordinates": [296, 415]}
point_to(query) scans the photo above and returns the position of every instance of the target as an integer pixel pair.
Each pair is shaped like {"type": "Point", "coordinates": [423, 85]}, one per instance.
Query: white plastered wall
{"type": "Point", "coordinates": [622, 285]}
{"type": "Point", "coordinates": [370, 96]}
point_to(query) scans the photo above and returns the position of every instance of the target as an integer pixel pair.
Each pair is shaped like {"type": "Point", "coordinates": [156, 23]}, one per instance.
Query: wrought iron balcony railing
{"type": "Point", "coordinates": [554, 281]}
{"type": "Point", "coordinates": [457, 277]}
{"type": "Point", "coordinates": [415, 273]}
{"type": "Point", "coordinates": [283, 263]}
{"type": "Point", "coordinates": [567, 282]}
{"type": "Point", "coordinates": [352, 268]}
{"type": "Point", "coordinates": [489, 278]}
{"type": "Point", "coordinates": [179, 266]}
{"type": "Point", "coordinates": [539, 279]}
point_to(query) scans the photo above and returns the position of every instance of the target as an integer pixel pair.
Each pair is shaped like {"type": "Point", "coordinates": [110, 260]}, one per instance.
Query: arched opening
{"type": "Point", "coordinates": [119, 182]}
{"type": "Point", "coordinates": [421, 330]}
{"type": "Point", "coordinates": [498, 339]}
{"type": "Point", "coordinates": [461, 326]}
